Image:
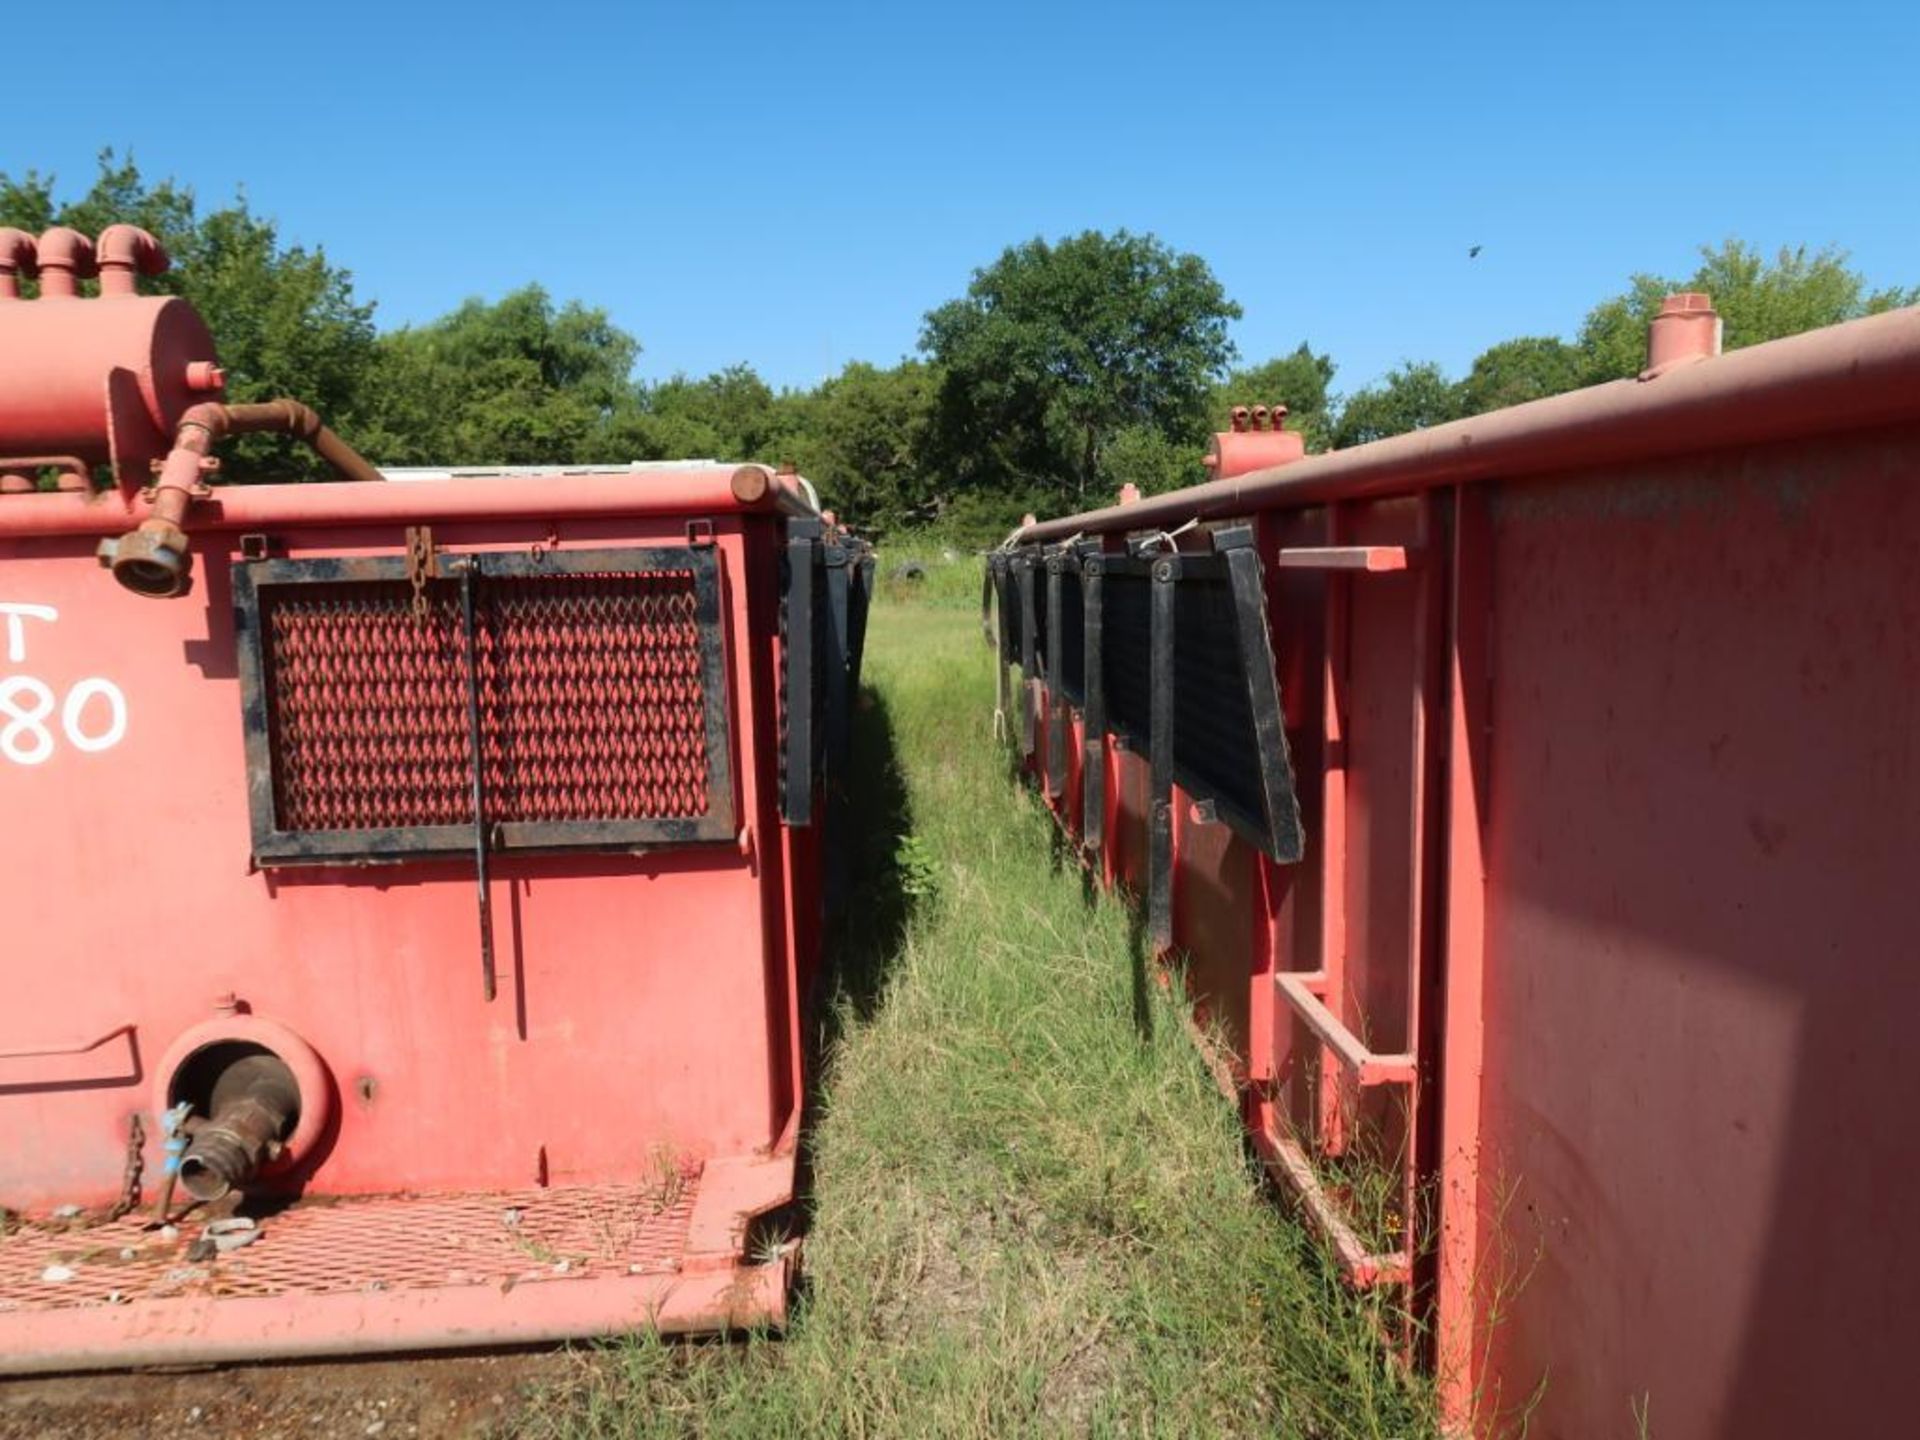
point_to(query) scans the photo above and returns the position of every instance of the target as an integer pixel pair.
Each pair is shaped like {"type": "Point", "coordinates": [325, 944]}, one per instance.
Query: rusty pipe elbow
{"type": "Point", "coordinates": [19, 258]}
{"type": "Point", "coordinates": [66, 258]}
{"type": "Point", "coordinates": [284, 416]}
{"type": "Point", "coordinates": [155, 559]}
{"type": "Point", "coordinates": [290, 417]}
{"type": "Point", "coordinates": [125, 251]}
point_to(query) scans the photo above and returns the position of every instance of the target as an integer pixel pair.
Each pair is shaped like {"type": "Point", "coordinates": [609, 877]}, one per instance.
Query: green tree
{"type": "Point", "coordinates": [731, 414]}
{"type": "Point", "coordinates": [1412, 397]}
{"type": "Point", "coordinates": [1757, 300]}
{"type": "Point", "coordinates": [1057, 347]}
{"type": "Point", "coordinates": [859, 437]}
{"type": "Point", "coordinates": [1516, 371]}
{"type": "Point", "coordinates": [284, 318]}
{"type": "Point", "coordinates": [518, 381]}
{"type": "Point", "coordinates": [1143, 456]}
{"type": "Point", "coordinates": [1299, 380]}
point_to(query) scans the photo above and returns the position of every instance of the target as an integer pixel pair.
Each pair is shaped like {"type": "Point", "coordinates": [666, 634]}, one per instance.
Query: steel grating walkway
{"type": "Point", "coordinates": [338, 1276]}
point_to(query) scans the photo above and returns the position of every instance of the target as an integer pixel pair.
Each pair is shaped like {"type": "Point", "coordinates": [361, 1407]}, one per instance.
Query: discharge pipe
{"type": "Point", "coordinates": [154, 559]}
{"type": "Point", "coordinates": [254, 1103]}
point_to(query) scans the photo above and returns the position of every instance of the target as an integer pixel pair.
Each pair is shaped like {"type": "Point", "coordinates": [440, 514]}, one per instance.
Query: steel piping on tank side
{"type": "Point", "coordinates": [118, 380]}
{"type": "Point", "coordinates": [584, 493]}
{"type": "Point", "coordinates": [153, 559]}
{"type": "Point", "coordinates": [103, 381]}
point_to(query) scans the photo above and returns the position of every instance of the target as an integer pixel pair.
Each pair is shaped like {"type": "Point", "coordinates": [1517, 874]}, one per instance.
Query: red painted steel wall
{"type": "Point", "coordinates": [1611, 798]}
{"type": "Point", "coordinates": [646, 1005]}
{"type": "Point", "coordinates": [1700, 951]}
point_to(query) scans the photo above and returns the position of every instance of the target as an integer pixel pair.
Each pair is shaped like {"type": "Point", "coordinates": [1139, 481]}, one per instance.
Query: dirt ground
{"type": "Point", "coordinates": [423, 1398]}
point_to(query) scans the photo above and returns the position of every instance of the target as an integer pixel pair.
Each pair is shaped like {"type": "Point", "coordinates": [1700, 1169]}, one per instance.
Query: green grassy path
{"type": "Point", "coordinates": [1032, 1211]}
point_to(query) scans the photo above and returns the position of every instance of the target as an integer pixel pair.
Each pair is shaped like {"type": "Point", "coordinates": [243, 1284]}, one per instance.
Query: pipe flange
{"type": "Point", "coordinates": [154, 560]}
{"type": "Point", "coordinates": [309, 1075]}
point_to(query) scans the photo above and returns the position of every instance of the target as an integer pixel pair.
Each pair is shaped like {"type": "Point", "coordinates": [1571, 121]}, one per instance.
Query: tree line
{"type": "Point", "coordinates": [1066, 369]}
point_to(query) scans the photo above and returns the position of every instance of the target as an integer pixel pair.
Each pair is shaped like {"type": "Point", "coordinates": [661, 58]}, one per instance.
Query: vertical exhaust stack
{"type": "Point", "coordinates": [127, 251]}
{"type": "Point", "coordinates": [1686, 329]}
{"type": "Point", "coordinates": [66, 258]}
{"type": "Point", "coordinates": [19, 259]}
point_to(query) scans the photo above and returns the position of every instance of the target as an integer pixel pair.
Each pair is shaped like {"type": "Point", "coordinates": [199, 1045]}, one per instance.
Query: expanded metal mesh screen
{"type": "Point", "coordinates": [498, 1239]}
{"type": "Point", "coordinates": [592, 702]}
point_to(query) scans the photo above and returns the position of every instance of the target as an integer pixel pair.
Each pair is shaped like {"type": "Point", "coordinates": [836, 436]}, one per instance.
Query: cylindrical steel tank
{"type": "Point", "coordinates": [1257, 441]}
{"type": "Point", "coordinates": [57, 355]}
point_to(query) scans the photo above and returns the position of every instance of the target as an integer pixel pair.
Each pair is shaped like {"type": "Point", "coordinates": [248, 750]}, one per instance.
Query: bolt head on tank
{"type": "Point", "coordinates": [153, 560]}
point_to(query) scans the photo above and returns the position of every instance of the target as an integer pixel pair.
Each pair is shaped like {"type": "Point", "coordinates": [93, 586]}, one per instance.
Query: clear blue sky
{"type": "Point", "coordinates": [794, 185]}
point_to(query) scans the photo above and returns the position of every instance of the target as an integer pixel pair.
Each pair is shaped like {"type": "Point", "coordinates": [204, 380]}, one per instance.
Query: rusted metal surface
{"type": "Point", "coordinates": [287, 417]}
{"type": "Point", "coordinates": [1603, 708]}
{"type": "Point", "coordinates": [121, 381]}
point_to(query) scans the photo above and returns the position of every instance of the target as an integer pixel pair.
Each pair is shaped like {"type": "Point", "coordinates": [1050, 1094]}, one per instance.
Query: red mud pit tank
{"type": "Point", "coordinates": [529, 1027]}
{"type": "Point", "coordinates": [1533, 802]}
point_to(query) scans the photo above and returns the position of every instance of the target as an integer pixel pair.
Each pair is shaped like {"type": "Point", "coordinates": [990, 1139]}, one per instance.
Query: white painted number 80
{"type": "Point", "coordinates": [28, 703]}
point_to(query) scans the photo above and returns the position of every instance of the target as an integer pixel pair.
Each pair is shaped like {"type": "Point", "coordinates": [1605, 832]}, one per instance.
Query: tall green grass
{"type": "Point", "coordinates": [1032, 1213]}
